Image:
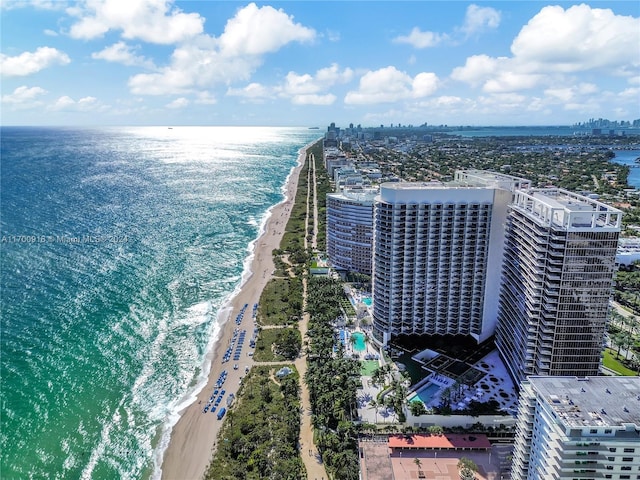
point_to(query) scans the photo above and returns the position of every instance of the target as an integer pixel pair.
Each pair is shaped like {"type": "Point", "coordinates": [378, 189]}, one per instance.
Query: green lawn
{"type": "Point", "coordinates": [610, 361]}
{"type": "Point", "coordinates": [368, 367]}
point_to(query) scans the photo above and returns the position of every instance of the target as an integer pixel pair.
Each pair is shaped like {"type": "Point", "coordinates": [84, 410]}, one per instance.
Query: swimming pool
{"type": "Point", "coordinates": [366, 301]}
{"type": "Point", "coordinates": [426, 393]}
{"type": "Point", "coordinates": [359, 343]}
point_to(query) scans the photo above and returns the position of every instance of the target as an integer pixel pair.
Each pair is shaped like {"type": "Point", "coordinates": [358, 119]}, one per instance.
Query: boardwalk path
{"type": "Point", "coordinates": [310, 456]}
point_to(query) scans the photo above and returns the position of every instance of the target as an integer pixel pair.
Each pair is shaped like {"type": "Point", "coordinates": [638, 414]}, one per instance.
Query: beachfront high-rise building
{"type": "Point", "coordinates": [559, 263]}
{"type": "Point", "coordinates": [437, 252]}
{"type": "Point", "coordinates": [350, 229]}
{"type": "Point", "coordinates": [578, 428]}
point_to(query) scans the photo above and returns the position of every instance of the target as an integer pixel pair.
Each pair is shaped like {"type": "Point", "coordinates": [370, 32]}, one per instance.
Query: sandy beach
{"type": "Point", "coordinates": [192, 438]}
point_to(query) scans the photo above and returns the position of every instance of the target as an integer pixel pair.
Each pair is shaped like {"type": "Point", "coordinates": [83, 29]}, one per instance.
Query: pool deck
{"type": "Point", "coordinates": [495, 384]}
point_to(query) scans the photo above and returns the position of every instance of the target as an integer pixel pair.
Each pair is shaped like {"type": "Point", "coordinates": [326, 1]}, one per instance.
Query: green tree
{"type": "Point", "coordinates": [467, 468]}
{"type": "Point", "coordinates": [417, 408]}
{"type": "Point", "coordinates": [373, 404]}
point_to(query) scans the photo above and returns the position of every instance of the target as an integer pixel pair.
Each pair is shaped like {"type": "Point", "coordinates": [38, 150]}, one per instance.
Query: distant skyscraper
{"type": "Point", "coordinates": [350, 230]}
{"type": "Point", "coordinates": [578, 428]}
{"type": "Point", "coordinates": [558, 270]}
{"type": "Point", "coordinates": [437, 255]}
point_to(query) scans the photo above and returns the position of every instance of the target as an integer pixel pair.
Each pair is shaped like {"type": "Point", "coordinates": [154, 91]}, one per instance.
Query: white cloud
{"type": "Point", "coordinates": [169, 82]}
{"type": "Point", "coordinates": [477, 69]}
{"type": "Point", "coordinates": [23, 95]}
{"type": "Point", "coordinates": [424, 84]}
{"type": "Point", "coordinates": [501, 102]}
{"type": "Point", "coordinates": [296, 84]}
{"type": "Point", "coordinates": [478, 19]}
{"type": "Point", "coordinates": [253, 91]}
{"type": "Point", "coordinates": [31, 62]}
{"type": "Point", "coordinates": [310, 84]}
{"type": "Point", "coordinates": [256, 31]}
{"type": "Point", "coordinates": [85, 104]}
{"type": "Point", "coordinates": [509, 81]}
{"type": "Point", "coordinates": [383, 85]}
{"type": "Point", "coordinates": [305, 89]}
{"type": "Point", "coordinates": [154, 21]}
{"type": "Point", "coordinates": [193, 67]}
{"type": "Point", "coordinates": [560, 94]}
{"type": "Point", "coordinates": [390, 85]}
{"type": "Point", "coordinates": [496, 75]}
{"type": "Point", "coordinates": [120, 52]}
{"type": "Point", "coordinates": [577, 39]}
{"type": "Point", "coordinates": [50, 33]}
{"type": "Point", "coordinates": [554, 43]}
{"type": "Point", "coordinates": [449, 101]}
{"type": "Point", "coordinates": [332, 75]}
{"type": "Point", "coordinates": [205, 98]}
{"type": "Point", "coordinates": [178, 103]}
{"type": "Point", "coordinates": [64, 103]}
{"type": "Point", "coordinates": [632, 93]}
{"type": "Point", "coordinates": [206, 61]}
{"type": "Point", "coordinates": [38, 4]}
{"type": "Point", "coordinates": [313, 99]}
{"type": "Point", "coordinates": [420, 39]}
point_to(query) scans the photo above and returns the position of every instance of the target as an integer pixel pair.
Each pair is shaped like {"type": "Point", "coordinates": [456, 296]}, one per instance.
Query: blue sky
{"type": "Point", "coordinates": [309, 63]}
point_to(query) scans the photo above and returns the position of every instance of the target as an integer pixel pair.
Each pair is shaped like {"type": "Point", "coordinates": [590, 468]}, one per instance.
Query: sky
{"type": "Point", "coordinates": [310, 63]}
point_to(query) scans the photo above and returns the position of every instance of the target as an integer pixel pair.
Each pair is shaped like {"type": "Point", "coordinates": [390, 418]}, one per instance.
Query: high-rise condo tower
{"type": "Point", "coordinates": [437, 252]}
{"type": "Point", "coordinates": [558, 269]}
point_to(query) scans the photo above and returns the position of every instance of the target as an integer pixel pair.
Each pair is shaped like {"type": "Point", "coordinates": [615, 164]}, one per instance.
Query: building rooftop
{"type": "Point", "coordinates": [356, 194]}
{"type": "Point", "coordinates": [444, 441]}
{"type": "Point", "coordinates": [591, 401]}
{"type": "Point", "coordinates": [433, 184]}
{"type": "Point", "coordinates": [488, 178]}
{"type": "Point", "coordinates": [563, 209]}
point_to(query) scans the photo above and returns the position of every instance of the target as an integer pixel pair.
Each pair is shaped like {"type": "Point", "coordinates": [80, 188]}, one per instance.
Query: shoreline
{"type": "Point", "coordinates": [192, 437]}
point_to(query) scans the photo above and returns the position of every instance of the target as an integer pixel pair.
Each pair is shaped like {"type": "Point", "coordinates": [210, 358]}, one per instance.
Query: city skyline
{"type": "Point", "coordinates": [159, 62]}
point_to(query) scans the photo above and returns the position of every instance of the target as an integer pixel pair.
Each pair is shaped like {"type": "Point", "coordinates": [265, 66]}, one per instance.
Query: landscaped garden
{"type": "Point", "coordinates": [259, 438]}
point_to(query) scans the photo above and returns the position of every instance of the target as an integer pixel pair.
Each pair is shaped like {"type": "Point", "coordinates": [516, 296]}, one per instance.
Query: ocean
{"type": "Point", "coordinates": [120, 249]}
{"type": "Point", "coordinates": [533, 131]}
{"type": "Point", "coordinates": [629, 157]}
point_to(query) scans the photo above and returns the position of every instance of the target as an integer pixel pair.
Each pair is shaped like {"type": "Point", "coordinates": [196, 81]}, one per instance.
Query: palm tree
{"type": "Point", "coordinates": [627, 342]}
{"type": "Point", "coordinates": [618, 339]}
{"type": "Point", "coordinates": [445, 395]}
{"type": "Point", "coordinates": [456, 388]}
{"type": "Point", "coordinates": [373, 404]}
{"type": "Point", "coordinates": [467, 468]}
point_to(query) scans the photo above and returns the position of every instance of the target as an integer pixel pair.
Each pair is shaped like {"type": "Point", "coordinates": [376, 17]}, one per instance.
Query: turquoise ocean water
{"type": "Point", "coordinates": [120, 248]}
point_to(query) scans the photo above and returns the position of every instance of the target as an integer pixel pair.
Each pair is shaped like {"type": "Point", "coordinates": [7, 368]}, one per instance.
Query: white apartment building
{"type": "Point", "coordinates": [334, 158]}
{"type": "Point", "coordinates": [437, 253]}
{"type": "Point", "coordinates": [574, 428]}
{"type": "Point", "coordinates": [350, 229]}
{"type": "Point", "coordinates": [558, 270]}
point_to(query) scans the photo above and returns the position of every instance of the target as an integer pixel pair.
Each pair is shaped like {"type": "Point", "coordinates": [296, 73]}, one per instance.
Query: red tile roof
{"type": "Point", "coordinates": [444, 441]}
